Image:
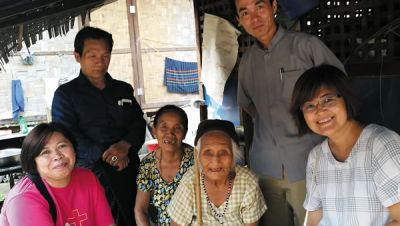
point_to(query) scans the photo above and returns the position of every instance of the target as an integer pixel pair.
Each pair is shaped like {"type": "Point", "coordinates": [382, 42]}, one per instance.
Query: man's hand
{"type": "Point", "coordinates": [117, 155]}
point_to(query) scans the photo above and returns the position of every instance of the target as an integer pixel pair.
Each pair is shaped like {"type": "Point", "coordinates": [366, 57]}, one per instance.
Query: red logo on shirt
{"type": "Point", "coordinates": [77, 219]}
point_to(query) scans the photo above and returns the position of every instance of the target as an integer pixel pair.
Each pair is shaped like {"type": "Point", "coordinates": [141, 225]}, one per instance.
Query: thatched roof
{"type": "Point", "coordinates": [25, 20]}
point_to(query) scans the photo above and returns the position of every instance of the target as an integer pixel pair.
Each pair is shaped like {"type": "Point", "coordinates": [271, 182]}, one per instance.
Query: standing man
{"type": "Point", "coordinates": [105, 120]}
{"type": "Point", "coordinates": [267, 74]}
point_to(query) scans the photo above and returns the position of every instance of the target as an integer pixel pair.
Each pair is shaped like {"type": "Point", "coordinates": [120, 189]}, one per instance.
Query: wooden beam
{"type": "Point", "coordinates": [136, 55]}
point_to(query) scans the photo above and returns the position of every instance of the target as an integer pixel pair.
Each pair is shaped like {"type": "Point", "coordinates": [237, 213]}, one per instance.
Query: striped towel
{"type": "Point", "coordinates": [181, 77]}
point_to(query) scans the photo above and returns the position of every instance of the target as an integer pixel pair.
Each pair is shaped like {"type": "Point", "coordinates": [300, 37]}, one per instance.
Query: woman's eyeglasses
{"type": "Point", "coordinates": [326, 101]}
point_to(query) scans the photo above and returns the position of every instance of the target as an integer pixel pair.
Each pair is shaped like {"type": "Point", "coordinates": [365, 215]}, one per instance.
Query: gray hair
{"type": "Point", "coordinates": [236, 152]}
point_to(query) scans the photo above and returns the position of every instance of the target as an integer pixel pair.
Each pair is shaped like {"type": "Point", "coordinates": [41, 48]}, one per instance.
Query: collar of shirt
{"type": "Point", "coordinates": [84, 81]}
{"type": "Point", "coordinates": [277, 37]}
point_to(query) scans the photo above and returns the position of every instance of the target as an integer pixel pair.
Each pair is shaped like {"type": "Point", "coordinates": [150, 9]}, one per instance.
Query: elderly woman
{"type": "Point", "coordinates": [161, 171]}
{"type": "Point", "coordinates": [353, 177]}
{"type": "Point", "coordinates": [48, 154]}
{"type": "Point", "coordinates": [230, 194]}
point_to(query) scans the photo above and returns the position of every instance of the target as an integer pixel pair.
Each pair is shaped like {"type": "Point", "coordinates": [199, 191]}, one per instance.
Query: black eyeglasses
{"type": "Point", "coordinates": [326, 101]}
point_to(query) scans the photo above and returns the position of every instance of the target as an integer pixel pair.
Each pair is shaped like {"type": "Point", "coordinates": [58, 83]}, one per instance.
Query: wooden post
{"type": "Point", "coordinates": [197, 187]}
{"type": "Point", "coordinates": [20, 36]}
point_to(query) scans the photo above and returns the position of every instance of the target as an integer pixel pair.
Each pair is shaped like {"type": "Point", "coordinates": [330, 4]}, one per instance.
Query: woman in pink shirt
{"type": "Point", "coordinates": [48, 152]}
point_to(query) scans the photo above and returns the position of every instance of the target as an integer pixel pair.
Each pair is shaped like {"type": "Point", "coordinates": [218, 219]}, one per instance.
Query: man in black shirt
{"type": "Point", "coordinates": [106, 121]}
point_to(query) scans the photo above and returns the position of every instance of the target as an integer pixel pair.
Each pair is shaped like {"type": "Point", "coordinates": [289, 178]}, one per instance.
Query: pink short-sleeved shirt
{"type": "Point", "coordinates": [82, 202]}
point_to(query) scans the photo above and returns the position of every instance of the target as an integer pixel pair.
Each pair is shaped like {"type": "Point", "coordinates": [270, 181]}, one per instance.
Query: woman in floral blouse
{"type": "Point", "coordinates": [161, 171]}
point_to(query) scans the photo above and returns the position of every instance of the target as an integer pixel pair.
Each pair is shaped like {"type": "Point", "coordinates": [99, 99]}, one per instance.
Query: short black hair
{"type": "Point", "coordinates": [309, 84]}
{"type": "Point", "coordinates": [174, 109]}
{"type": "Point", "coordinates": [91, 33]}
{"type": "Point", "coordinates": [233, 6]}
{"type": "Point", "coordinates": [35, 141]}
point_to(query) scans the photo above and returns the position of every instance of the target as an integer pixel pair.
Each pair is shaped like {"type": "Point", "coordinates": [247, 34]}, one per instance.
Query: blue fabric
{"type": "Point", "coordinates": [181, 77]}
{"type": "Point", "coordinates": [297, 8]}
{"type": "Point", "coordinates": [224, 111]}
{"type": "Point", "coordinates": [17, 98]}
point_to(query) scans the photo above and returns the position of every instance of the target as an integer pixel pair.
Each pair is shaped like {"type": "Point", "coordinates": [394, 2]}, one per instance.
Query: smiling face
{"type": "Point", "coordinates": [95, 59]}
{"type": "Point", "coordinates": [257, 17]}
{"type": "Point", "coordinates": [169, 131]}
{"type": "Point", "coordinates": [216, 157]}
{"type": "Point", "coordinates": [327, 121]}
{"type": "Point", "coordinates": [56, 160]}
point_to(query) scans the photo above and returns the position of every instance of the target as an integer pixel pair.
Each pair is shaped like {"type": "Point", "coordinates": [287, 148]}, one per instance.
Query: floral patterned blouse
{"type": "Point", "coordinates": [149, 180]}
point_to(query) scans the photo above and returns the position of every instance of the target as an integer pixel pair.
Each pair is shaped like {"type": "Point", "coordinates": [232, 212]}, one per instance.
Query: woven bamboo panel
{"type": "Point", "coordinates": [224, 9]}
{"type": "Point", "coordinates": [221, 8]}
{"type": "Point", "coordinates": [357, 31]}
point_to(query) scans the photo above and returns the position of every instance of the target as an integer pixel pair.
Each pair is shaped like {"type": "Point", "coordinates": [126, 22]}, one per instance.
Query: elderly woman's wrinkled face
{"type": "Point", "coordinates": [56, 160]}
{"type": "Point", "coordinates": [169, 131]}
{"type": "Point", "coordinates": [216, 157]}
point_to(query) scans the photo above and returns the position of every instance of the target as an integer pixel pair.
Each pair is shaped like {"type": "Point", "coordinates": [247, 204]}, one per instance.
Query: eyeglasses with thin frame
{"type": "Point", "coordinates": [326, 101]}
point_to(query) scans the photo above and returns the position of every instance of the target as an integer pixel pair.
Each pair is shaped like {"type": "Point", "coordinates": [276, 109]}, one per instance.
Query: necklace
{"type": "Point", "coordinates": [216, 215]}
{"type": "Point", "coordinates": [163, 177]}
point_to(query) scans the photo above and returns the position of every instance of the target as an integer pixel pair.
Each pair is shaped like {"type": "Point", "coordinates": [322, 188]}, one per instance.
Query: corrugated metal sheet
{"type": "Point", "coordinates": [26, 20]}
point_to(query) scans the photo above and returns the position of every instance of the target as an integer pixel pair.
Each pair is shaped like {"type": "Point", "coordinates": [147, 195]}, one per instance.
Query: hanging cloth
{"type": "Point", "coordinates": [17, 98]}
{"type": "Point", "coordinates": [181, 77]}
